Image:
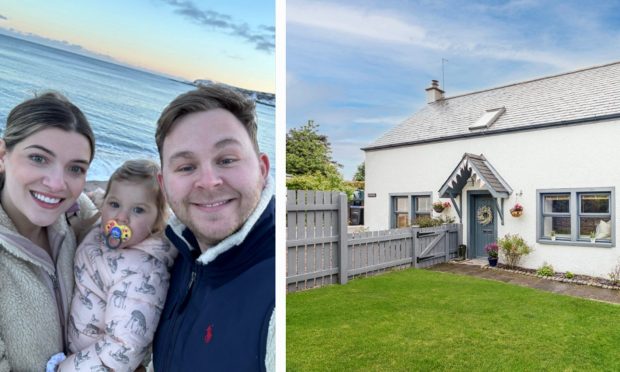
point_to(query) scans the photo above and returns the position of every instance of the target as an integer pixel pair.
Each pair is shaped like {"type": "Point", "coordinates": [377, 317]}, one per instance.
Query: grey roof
{"type": "Point", "coordinates": [583, 95]}
{"type": "Point", "coordinates": [469, 165]}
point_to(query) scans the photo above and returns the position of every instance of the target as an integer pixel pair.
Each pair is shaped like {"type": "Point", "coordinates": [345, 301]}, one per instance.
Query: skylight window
{"type": "Point", "coordinates": [488, 118]}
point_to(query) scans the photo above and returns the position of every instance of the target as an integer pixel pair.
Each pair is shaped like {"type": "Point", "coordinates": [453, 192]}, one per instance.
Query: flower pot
{"type": "Point", "coordinates": [516, 213]}
{"type": "Point", "coordinates": [592, 240]}
{"type": "Point", "coordinates": [553, 238]}
{"type": "Point", "coordinates": [462, 251]}
{"type": "Point", "coordinates": [438, 209]}
{"type": "Point", "coordinates": [492, 261]}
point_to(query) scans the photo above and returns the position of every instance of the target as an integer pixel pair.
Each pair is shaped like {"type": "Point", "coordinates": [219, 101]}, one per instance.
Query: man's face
{"type": "Point", "coordinates": [211, 174]}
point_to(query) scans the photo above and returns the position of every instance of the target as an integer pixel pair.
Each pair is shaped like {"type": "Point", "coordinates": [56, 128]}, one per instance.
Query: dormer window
{"type": "Point", "coordinates": [488, 118]}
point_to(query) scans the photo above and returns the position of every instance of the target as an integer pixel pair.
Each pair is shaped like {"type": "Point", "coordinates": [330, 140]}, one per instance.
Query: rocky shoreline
{"type": "Point", "coordinates": [93, 185]}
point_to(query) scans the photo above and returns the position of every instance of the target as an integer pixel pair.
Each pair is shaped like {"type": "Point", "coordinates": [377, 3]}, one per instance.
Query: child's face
{"type": "Point", "coordinates": [131, 204]}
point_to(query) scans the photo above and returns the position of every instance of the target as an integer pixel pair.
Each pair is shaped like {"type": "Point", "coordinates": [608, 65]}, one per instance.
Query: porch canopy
{"type": "Point", "coordinates": [478, 168]}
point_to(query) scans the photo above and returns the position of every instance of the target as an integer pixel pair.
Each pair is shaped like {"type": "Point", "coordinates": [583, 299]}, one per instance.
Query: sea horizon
{"type": "Point", "coordinates": [122, 103]}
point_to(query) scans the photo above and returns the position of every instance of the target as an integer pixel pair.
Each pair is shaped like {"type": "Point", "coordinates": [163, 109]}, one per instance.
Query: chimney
{"type": "Point", "coordinates": [433, 93]}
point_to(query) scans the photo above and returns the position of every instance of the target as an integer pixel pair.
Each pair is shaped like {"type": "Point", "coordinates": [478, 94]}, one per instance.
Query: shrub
{"type": "Point", "coordinates": [569, 275]}
{"type": "Point", "coordinates": [426, 222]}
{"type": "Point", "coordinates": [545, 270]}
{"type": "Point", "coordinates": [513, 247]}
{"type": "Point", "coordinates": [614, 275]}
{"type": "Point", "coordinates": [432, 222]}
{"type": "Point", "coordinates": [332, 182]}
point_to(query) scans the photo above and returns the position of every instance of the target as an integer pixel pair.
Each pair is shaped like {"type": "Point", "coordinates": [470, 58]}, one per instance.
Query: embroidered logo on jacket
{"type": "Point", "coordinates": [208, 334]}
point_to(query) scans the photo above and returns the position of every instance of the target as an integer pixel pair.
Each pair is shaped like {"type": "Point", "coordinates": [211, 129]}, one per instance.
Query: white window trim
{"type": "Point", "coordinates": [574, 208]}
{"type": "Point", "coordinates": [488, 118]}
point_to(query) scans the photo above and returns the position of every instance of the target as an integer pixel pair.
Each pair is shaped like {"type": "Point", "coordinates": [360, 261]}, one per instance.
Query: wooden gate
{"type": "Point", "coordinates": [435, 245]}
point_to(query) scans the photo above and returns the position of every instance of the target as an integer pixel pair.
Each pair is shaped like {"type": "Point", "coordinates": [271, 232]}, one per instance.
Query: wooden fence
{"type": "Point", "coordinates": [321, 252]}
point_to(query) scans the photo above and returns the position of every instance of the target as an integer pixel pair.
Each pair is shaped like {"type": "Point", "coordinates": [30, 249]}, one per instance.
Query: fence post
{"type": "Point", "coordinates": [460, 238]}
{"type": "Point", "coordinates": [343, 257]}
{"type": "Point", "coordinates": [446, 234]}
{"type": "Point", "coordinates": [414, 244]}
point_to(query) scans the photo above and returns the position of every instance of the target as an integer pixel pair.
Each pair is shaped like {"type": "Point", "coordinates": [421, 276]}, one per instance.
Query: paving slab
{"type": "Point", "coordinates": [477, 269]}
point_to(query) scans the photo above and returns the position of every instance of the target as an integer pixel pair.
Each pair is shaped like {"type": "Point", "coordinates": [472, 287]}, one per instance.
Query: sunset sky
{"type": "Point", "coordinates": [225, 41]}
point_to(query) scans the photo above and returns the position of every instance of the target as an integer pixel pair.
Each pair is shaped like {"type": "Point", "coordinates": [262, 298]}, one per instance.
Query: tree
{"type": "Point", "coordinates": [360, 175]}
{"type": "Point", "coordinates": [308, 152]}
{"type": "Point", "coordinates": [319, 182]}
{"type": "Point", "coordinates": [309, 165]}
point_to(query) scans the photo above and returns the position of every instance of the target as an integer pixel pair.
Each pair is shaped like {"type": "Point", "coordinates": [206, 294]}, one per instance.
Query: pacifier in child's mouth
{"type": "Point", "coordinates": [116, 234]}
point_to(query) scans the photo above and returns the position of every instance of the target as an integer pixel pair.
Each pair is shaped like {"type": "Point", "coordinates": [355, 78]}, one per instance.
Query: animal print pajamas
{"type": "Point", "coordinates": [118, 298]}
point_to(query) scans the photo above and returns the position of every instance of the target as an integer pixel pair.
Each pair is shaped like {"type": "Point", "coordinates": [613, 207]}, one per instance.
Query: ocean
{"type": "Point", "coordinates": [122, 104]}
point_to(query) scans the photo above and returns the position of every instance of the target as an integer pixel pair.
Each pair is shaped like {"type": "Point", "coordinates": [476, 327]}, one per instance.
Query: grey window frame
{"type": "Point", "coordinates": [411, 203]}
{"type": "Point", "coordinates": [575, 214]}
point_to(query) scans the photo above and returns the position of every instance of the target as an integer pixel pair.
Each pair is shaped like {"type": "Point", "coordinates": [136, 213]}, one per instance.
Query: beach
{"type": "Point", "coordinates": [93, 185]}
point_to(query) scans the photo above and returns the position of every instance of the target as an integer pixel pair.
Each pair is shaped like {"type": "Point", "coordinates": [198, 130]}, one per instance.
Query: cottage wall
{"type": "Point", "coordinates": [577, 156]}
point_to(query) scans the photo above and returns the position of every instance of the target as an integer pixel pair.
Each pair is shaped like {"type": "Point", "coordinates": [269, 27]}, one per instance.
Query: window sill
{"type": "Point", "coordinates": [580, 243]}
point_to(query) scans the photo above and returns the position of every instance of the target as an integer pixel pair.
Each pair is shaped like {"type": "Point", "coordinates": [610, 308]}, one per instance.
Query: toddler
{"type": "Point", "coordinates": [121, 275]}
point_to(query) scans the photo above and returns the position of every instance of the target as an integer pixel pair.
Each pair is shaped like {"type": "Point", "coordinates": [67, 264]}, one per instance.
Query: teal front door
{"type": "Point", "coordinates": [483, 224]}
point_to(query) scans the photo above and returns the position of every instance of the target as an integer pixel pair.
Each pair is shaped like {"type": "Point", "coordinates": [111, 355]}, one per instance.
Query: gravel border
{"type": "Point", "coordinates": [559, 277]}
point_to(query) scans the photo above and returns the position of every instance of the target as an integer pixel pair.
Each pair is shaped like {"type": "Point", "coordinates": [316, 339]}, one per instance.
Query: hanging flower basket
{"type": "Point", "coordinates": [484, 215]}
{"type": "Point", "coordinates": [440, 206]}
{"type": "Point", "coordinates": [517, 210]}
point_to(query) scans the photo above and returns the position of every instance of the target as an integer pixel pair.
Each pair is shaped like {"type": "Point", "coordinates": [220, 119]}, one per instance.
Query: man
{"type": "Point", "coordinates": [218, 315]}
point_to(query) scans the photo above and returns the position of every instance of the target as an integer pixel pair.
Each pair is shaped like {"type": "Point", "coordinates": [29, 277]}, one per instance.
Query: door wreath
{"type": "Point", "coordinates": [484, 215]}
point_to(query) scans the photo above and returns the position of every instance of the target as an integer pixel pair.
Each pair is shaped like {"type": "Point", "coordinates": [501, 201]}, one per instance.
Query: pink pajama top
{"type": "Point", "coordinates": [118, 298]}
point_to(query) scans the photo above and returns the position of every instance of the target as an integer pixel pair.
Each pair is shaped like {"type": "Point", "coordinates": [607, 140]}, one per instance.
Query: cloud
{"type": "Point", "coordinates": [305, 98]}
{"type": "Point", "coordinates": [3, 18]}
{"type": "Point", "coordinates": [263, 38]}
{"type": "Point", "coordinates": [497, 31]}
{"type": "Point", "coordinates": [390, 120]}
{"type": "Point", "coordinates": [510, 6]}
{"type": "Point", "coordinates": [358, 22]}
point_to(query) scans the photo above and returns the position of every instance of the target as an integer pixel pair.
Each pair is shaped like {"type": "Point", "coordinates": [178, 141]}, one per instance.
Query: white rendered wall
{"type": "Point", "coordinates": [578, 156]}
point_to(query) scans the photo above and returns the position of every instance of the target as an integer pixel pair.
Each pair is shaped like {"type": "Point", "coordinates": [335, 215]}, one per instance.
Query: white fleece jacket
{"type": "Point", "coordinates": [35, 290]}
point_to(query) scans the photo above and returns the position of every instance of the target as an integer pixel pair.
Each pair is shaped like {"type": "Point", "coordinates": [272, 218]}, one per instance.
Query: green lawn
{"type": "Point", "coordinates": [418, 320]}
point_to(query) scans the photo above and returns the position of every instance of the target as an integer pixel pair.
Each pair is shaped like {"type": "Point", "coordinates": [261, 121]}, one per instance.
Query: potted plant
{"type": "Point", "coordinates": [440, 206]}
{"type": "Point", "coordinates": [492, 250]}
{"type": "Point", "coordinates": [517, 210]}
{"type": "Point", "coordinates": [592, 237]}
{"type": "Point", "coordinates": [552, 235]}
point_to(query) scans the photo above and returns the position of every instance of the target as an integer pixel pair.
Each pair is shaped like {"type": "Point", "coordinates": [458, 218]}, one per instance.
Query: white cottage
{"type": "Point", "coordinates": [550, 144]}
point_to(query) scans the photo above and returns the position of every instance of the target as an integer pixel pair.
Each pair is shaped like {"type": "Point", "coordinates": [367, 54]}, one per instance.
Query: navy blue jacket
{"type": "Point", "coordinates": [216, 316]}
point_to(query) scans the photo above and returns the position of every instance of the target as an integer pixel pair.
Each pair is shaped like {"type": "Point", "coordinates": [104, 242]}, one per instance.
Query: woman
{"type": "Point", "coordinates": [47, 148]}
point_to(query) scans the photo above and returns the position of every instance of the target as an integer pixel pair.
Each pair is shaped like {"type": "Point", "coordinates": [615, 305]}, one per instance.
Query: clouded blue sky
{"type": "Point", "coordinates": [358, 68]}
{"type": "Point", "coordinates": [228, 41]}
